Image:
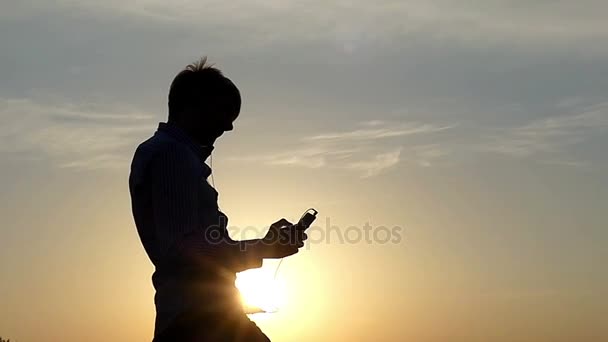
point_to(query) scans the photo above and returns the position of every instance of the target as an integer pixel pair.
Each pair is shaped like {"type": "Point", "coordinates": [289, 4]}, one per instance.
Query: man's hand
{"type": "Point", "coordinates": [283, 239]}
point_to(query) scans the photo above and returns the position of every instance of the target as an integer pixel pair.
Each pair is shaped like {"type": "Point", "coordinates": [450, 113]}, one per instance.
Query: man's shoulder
{"type": "Point", "coordinates": [160, 144]}
{"type": "Point", "coordinates": [156, 147]}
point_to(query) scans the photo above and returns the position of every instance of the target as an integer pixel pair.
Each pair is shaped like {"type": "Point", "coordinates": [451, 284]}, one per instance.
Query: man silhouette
{"type": "Point", "coordinates": [179, 222]}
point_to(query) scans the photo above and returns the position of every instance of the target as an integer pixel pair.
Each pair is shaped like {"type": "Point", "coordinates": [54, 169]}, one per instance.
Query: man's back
{"type": "Point", "coordinates": [171, 199]}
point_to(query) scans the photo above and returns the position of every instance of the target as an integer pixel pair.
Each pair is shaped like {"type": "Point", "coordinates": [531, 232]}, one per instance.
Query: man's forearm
{"type": "Point", "coordinates": [250, 254]}
{"type": "Point", "coordinates": [234, 255]}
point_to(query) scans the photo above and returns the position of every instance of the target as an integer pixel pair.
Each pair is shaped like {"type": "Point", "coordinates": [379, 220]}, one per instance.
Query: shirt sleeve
{"type": "Point", "coordinates": [184, 228]}
{"type": "Point", "coordinates": [234, 256]}
{"type": "Point", "coordinates": [174, 196]}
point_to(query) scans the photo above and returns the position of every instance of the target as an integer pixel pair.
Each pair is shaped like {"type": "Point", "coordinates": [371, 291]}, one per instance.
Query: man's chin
{"type": "Point", "coordinates": [209, 139]}
{"type": "Point", "coordinates": [219, 134]}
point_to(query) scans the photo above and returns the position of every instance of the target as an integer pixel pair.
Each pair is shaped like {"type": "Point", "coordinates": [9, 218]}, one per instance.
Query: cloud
{"type": "Point", "coordinates": [415, 70]}
{"type": "Point", "coordinates": [354, 23]}
{"type": "Point", "coordinates": [374, 146]}
{"type": "Point", "coordinates": [368, 151]}
{"type": "Point", "coordinates": [567, 163]}
{"type": "Point", "coordinates": [90, 135]}
{"type": "Point", "coordinates": [402, 129]}
{"type": "Point", "coordinates": [550, 135]}
{"type": "Point", "coordinates": [377, 164]}
{"type": "Point", "coordinates": [427, 155]}
{"type": "Point", "coordinates": [72, 135]}
{"type": "Point", "coordinates": [312, 157]}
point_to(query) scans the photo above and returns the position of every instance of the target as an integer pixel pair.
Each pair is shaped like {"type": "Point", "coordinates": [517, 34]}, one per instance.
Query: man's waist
{"type": "Point", "coordinates": [208, 296]}
{"type": "Point", "coordinates": [195, 284]}
{"type": "Point", "coordinates": [188, 274]}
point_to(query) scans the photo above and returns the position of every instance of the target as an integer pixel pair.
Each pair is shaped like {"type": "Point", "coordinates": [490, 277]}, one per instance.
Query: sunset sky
{"type": "Point", "coordinates": [478, 127]}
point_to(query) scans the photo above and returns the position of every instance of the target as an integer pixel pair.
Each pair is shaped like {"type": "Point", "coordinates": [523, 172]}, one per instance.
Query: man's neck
{"type": "Point", "coordinates": [189, 130]}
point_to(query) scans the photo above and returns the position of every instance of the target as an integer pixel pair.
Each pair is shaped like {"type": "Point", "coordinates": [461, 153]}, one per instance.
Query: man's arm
{"type": "Point", "coordinates": [211, 245]}
{"type": "Point", "coordinates": [238, 256]}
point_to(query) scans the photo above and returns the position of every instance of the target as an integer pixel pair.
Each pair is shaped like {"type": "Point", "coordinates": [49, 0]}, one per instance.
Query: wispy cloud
{"type": "Point", "coordinates": [377, 164]}
{"type": "Point", "coordinates": [311, 157]}
{"type": "Point", "coordinates": [551, 135]}
{"type": "Point", "coordinates": [399, 130]}
{"type": "Point", "coordinates": [374, 146]}
{"type": "Point", "coordinates": [94, 136]}
{"type": "Point", "coordinates": [427, 155]}
{"type": "Point", "coordinates": [368, 151]}
{"type": "Point", "coordinates": [567, 163]}
{"type": "Point", "coordinates": [72, 135]}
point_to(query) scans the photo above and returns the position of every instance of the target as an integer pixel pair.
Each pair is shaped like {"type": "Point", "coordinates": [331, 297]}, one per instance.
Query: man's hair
{"type": "Point", "coordinates": [198, 84]}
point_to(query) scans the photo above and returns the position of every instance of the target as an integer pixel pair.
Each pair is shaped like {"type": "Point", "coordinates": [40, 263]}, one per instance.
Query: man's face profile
{"type": "Point", "coordinates": [212, 120]}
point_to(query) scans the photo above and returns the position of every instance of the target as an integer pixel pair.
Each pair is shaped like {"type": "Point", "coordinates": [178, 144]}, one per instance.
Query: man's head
{"type": "Point", "coordinates": [203, 102]}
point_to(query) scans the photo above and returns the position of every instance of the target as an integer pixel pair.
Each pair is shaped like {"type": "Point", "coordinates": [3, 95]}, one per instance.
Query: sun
{"type": "Point", "coordinates": [260, 291]}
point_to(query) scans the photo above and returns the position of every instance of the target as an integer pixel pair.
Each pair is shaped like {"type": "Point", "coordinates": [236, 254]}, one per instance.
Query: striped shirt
{"type": "Point", "coordinates": [181, 227]}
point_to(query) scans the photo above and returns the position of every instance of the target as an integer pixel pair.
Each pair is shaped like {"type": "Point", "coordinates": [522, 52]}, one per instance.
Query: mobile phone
{"type": "Point", "coordinates": [307, 219]}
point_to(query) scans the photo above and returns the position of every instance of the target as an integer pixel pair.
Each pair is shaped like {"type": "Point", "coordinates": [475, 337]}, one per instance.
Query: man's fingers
{"type": "Point", "coordinates": [287, 250]}
{"type": "Point", "coordinates": [292, 237]}
{"type": "Point", "coordinates": [282, 223]}
{"type": "Point", "coordinates": [298, 234]}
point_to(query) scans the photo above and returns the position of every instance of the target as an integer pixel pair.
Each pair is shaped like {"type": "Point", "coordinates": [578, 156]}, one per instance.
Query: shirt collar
{"type": "Point", "coordinates": [179, 134]}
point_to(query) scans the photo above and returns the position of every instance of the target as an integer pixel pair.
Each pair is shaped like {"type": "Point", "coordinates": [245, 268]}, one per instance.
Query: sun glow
{"type": "Point", "coordinates": [260, 291]}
